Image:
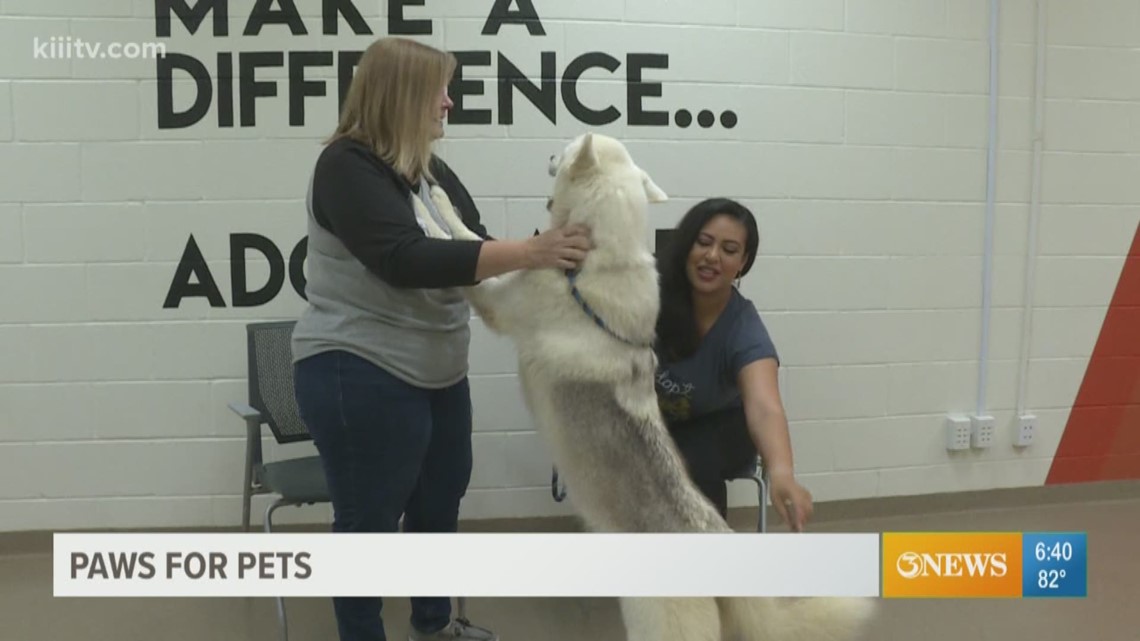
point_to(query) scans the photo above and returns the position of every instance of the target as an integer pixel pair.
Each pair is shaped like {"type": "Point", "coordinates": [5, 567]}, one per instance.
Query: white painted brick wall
{"type": "Point", "coordinates": [84, 232]}
{"type": "Point", "coordinates": [822, 15]}
{"type": "Point", "coordinates": [26, 181]}
{"type": "Point", "coordinates": [843, 60]}
{"type": "Point", "coordinates": [72, 110]}
{"type": "Point", "coordinates": [913, 17]}
{"type": "Point", "coordinates": [6, 111]}
{"type": "Point", "coordinates": [860, 146]}
{"type": "Point", "coordinates": [12, 240]}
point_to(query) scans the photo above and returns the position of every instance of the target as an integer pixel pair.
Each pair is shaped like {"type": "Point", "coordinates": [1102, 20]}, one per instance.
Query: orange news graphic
{"type": "Point", "coordinates": [952, 564]}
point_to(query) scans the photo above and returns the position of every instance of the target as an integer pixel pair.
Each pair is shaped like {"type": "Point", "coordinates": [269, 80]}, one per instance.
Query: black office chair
{"type": "Point", "coordinates": [754, 471]}
{"type": "Point", "coordinates": [296, 481]}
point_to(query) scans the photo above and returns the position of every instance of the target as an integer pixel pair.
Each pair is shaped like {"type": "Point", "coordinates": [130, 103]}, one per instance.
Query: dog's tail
{"type": "Point", "coordinates": [814, 619]}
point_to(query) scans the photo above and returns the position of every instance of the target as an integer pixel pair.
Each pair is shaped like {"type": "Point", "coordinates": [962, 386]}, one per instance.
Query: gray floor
{"type": "Point", "coordinates": [28, 612]}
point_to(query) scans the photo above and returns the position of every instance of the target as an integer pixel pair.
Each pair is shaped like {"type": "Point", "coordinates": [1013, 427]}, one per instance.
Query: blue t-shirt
{"type": "Point", "coordinates": [706, 381]}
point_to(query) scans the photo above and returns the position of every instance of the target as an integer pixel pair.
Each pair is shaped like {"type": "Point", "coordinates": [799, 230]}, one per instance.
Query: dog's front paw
{"type": "Point", "coordinates": [450, 216]}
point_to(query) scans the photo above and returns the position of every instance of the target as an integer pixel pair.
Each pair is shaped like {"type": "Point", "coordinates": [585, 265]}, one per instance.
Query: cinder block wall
{"type": "Point", "coordinates": [856, 129]}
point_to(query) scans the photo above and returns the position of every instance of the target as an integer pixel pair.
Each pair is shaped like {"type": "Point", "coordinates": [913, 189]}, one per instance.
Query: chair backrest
{"type": "Point", "coordinates": [271, 379]}
{"type": "Point", "coordinates": [661, 241]}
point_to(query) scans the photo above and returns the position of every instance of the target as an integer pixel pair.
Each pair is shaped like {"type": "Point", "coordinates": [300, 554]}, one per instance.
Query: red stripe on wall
{"type": "Point", "coordinates": [1101, 441]}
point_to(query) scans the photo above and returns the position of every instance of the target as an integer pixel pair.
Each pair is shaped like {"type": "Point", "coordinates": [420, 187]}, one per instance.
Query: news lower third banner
{"type": "Point", "coordinates": [889, 565]}
{"type": "Point", "coordinates": [467, 564]}
{"type": "Point", "coordinates": [985, 564]}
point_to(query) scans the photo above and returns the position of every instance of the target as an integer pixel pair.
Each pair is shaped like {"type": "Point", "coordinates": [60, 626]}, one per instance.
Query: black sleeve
{"type": "Point", "coordinates": [364, 204]}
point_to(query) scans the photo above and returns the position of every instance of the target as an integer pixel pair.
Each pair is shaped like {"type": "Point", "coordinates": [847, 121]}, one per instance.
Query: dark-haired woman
{"type": "Point", "coordinates": [717, 378]}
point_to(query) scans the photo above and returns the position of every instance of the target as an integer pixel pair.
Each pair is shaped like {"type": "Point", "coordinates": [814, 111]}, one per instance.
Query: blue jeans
{"type": "Point", "coordinates": [388, 449]}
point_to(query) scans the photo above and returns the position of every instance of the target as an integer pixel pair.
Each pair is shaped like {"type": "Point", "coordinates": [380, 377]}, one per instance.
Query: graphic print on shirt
{"type": "Point", "coordinates": [675, 398]}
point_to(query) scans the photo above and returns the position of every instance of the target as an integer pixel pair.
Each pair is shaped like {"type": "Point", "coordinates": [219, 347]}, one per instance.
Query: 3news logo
{"type": "Point", "coordinates": [952, 564]}
{"type": "Point", "coordinates": [983, 565]}
{"type": "Point", "coordinates": [911, 565]}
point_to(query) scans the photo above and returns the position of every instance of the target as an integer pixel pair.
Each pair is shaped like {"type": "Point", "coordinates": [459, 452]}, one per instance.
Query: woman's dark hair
{"type": "Point", "coordinates": [676, 323]}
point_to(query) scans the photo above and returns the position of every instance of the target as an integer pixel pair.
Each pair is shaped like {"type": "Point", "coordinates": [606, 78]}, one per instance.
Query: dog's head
{"type": "Point", "coordinates": [595, 176]}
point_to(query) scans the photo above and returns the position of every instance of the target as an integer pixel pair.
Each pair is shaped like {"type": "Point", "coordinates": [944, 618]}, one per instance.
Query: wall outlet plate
{"type": "Point", "coordinates": [957, 433]}
{"type": "Point", "coordinates": [1026, 427]}
{"type": "Point", "coordinates": [981, 431]}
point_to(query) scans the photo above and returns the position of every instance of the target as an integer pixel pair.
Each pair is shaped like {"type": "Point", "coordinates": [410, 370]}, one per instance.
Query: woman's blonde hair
{"type": "Point", "coordinates": [392, 103]}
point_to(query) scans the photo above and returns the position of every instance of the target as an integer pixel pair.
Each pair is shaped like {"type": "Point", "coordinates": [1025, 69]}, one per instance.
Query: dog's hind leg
{"type": "Point", "coordinates": [782, 619]}
{"type": "Point", "coordinates": [670, 619]}
{"type": "Point", "coordinates": [644, 619]}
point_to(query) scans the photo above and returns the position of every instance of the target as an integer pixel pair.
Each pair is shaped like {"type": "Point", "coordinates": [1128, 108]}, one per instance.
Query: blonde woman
{"type": "Point", "coordinates": [381, 351]}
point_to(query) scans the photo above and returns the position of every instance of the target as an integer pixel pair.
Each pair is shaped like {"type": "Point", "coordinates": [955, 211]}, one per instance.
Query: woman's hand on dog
{"type": "Point", "coordinates": [791, 500]}
{"type": "Point", "coordinates": [561, 247]}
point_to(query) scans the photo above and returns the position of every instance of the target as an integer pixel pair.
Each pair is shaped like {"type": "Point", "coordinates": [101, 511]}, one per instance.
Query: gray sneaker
{"type": "Point", "coordinates": [457, 630]}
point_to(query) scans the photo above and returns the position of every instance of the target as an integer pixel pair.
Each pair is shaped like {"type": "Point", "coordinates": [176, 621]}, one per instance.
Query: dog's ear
{"type": "Point", "coordinates": [655, 193]}
{"type": "Point", "coordinates": [587, 158]}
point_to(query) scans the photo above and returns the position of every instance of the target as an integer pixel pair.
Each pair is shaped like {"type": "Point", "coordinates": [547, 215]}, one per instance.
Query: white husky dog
{"type": "Point", "coordinates": [587, 367]}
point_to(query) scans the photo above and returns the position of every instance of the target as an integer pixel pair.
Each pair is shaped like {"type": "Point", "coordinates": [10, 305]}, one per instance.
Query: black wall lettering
{"type": "Point", "coordinates": [302, 81]}
{"type": "Point", "coordinates": [637, 89]}
{"type": "Point", "coordinates": [192, 264]}
{"type": "Point", "coordinates": [242, 296]}
{"type": "Point", "coordinates": [400, 26]}
{"type": "Point", "coordinates": [346, 68]}
{"type": "Point", "coordinates": [225, 89]}
{"type": "Point", "coordinates": [237, 89]}
{"type": "Point", "coordinates": [299, 88]}
{"type": "Point", "coordinates": [263, 13]}
{"type": "Point", "coordinates": [332, 9]}
{"type": "Point", "coordinates": [191, 18]}
{"type": "Point", "coordinates": [544, 95]}
{"type": "Point", "coordinates": [251, 88]}
{"type": "Point", "coordinates": [502, 14]}
{"type": "Point", "coordinates": [570, 78]}
{"type": "Point", "coordinates": [242, 78]}
{"type": "Point", "coordinates": [460, 88]}
{"type": "Point", "coordinates": [297, 267]}
{"type": "Point", "coordinates": [167, 117]}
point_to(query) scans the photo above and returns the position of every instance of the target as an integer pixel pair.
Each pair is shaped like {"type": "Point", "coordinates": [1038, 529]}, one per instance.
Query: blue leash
{"type": "Point", "coordinates": [572, 277]}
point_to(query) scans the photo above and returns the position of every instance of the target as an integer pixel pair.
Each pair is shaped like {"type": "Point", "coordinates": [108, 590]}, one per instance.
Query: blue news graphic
{"type": "Point", "coordinates": [1055, 564]}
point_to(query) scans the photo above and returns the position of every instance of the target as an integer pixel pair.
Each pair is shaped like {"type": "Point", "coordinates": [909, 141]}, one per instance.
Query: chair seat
{"type": "Point", "coordinates": [299, 479]}
{"type": "Point", "coordinates": [749, 471]}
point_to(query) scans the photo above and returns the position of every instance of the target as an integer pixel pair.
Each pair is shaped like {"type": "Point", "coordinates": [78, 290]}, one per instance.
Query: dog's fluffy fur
{"type": "Point", "coordinates": [592, 395]}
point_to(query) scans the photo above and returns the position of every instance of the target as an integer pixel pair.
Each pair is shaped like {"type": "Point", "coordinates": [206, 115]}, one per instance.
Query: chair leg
{"type": "Point", "coordinates": [282, 622]}
{"type": "Point", "coordinates": [252, 460]}
{"type": "Point", "coordinates": [268, 520]}
{"type": "Point", "coordinates": [762, 501]}
{"type": "Point", "coordinates": [246, 500]}
{"type": "Point", "coordinates": [246, 497]}
{"type": "Point", "coordinates": [763, 524]}
{"type": "Point", "coordinates": [558, 492]}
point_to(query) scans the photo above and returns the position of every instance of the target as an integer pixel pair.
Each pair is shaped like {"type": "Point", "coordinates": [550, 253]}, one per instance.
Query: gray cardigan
{"type": "Point", "coordinates": [377, 286]}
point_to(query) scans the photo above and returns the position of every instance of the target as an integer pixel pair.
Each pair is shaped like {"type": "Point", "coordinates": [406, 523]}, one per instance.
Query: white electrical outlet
{"type": "Point", "coordinates": [957, 433]}
{"type": "Point", "coordinates": [1026, 426]}
{"type": "Point", "coordinates": [981, 431]}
